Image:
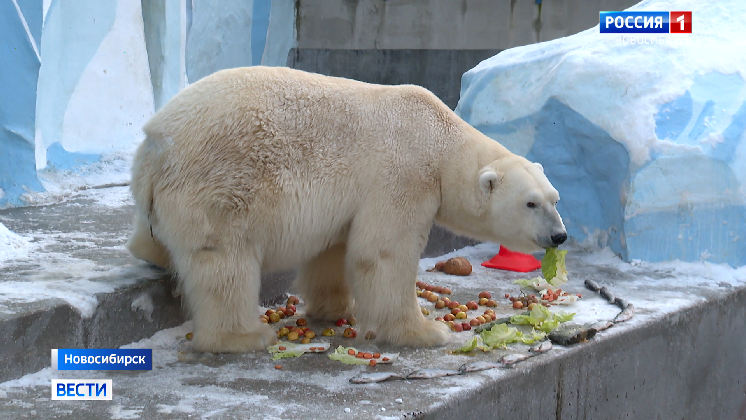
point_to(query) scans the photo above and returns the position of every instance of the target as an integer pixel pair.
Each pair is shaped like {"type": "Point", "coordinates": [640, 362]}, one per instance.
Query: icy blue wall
{"type": "Point", "coordinates": [79, 78]}
{"type": "Point", "coordinates": [20, 25]}
{"type": "Point", "coordinates": [690, 205]}
{"type": "Point", "coordinates": [645, 141]}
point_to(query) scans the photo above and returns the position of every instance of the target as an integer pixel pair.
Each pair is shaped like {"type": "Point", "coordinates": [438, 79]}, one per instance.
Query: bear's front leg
{"type": "Point", "coordinates": [222, 294]}
{"type": "Point", "coordinates": [384, 292]}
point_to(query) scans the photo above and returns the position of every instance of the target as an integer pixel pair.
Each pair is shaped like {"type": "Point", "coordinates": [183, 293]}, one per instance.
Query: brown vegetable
{"type": "Point", "coordinates": [439, 266]}
{"type": "Point", "coordinates": [458, 266]}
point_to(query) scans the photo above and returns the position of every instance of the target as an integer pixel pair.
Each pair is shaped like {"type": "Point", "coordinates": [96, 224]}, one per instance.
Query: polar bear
{"type": "Point", "coordinates": [259, 169]}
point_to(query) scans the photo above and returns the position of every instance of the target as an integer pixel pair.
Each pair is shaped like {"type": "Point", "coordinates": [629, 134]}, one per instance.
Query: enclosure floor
{"type": "Point", "coordinates": [680, 357]}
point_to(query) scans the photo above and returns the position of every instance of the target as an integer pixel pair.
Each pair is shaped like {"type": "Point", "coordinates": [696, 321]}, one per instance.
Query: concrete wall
{"type": "Point", "coordinates": [443, 24]}
{"type": "Point", "coordinates": [437, 70]}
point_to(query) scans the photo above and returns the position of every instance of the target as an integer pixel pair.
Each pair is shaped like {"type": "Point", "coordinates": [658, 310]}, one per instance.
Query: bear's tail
{"type": "Point", "coordinates": [142, 244]}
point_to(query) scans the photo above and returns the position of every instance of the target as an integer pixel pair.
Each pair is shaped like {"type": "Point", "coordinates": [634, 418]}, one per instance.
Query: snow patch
{"type": "Point", "coordinates": [106, 181]}
{"type": "Point", "coordinates": [119, 412]}
{"type": "Point", "coordinates": [12, 245]}
{"type": "Point", "coordinates": [144, 303]}
{"type": "Point", "coordinates": [181, 407]}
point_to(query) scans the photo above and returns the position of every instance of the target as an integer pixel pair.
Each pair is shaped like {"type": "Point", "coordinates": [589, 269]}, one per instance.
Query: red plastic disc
{"type": "Point", "coordinates": [513, 261]}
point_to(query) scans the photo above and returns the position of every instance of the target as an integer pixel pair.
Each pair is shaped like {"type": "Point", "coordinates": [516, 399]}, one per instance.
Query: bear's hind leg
{"type": "Point", "coordinates": [382, 273]}
{"type": "Point", "coordinates": [222, 294]}
{"type": "Point", "coordinates": [322, 285]}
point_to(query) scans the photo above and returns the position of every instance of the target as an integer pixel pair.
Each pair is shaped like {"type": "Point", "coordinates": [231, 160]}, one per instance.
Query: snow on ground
{"type": "Point", "coordinates": [12, 245]}
{"type": "Point", "coordinates": [62, 185]}
{"type": "Point", "coordinates": [55, 262]}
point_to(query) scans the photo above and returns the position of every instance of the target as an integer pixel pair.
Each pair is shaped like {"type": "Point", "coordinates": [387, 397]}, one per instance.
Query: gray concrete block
{"type": "Point", "coordinates": [27, 337]}
{"type": "Point", "coordinates": [443, 24]}
{"type": "Point", "coordinates": [439, 71]}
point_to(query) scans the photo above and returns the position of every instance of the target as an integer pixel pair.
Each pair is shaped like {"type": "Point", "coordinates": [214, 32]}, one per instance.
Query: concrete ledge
{"type": "Point", "coordinates": [27, 337]}
{"type": "Point", "coordinates": [687, 365]}
{"type": "Point", "coordinates": [681, 356]}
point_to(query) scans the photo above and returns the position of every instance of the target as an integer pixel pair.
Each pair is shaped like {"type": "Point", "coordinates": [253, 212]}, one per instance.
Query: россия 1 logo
{"type": "Point", "coordinates": [645, 22]}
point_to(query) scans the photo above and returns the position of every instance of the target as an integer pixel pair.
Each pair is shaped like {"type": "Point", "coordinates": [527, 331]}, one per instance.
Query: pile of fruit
{"type": "Point", "coordinates": [458, 318]}
{"type": "Point", "coordinates": [297, 332]}
{"type": "Point", "coordinates": [275, 315]}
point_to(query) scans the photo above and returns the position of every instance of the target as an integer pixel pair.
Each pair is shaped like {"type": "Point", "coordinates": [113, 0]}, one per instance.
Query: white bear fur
{"type": "Point", "coordinates": [254, 170]}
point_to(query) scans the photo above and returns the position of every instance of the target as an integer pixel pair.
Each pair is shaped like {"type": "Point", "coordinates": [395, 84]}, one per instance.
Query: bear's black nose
{"type": "Point", "coordinates": [559, 238]}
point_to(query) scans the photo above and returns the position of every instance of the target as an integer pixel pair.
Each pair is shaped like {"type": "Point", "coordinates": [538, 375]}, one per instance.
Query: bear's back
{"type": "Point", "coordinates": [275, 131]}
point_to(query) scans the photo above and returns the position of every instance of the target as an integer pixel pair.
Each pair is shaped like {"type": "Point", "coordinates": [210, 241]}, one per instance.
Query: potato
{"type": "Point", "coordinates": [458, 266]}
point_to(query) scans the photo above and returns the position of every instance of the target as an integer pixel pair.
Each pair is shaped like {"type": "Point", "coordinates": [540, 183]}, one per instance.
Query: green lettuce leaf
{"type": "Point", "coordinates": [563, 316]}
{"type": "Point", "coordinates": [548, 325]}
{"type": "Point", "coordinates": [520, 320]}
{"type": "Point", "coordinates": [553, 267]}
{"type": "Point", "coordinates": [341, 355]}
{"type": "Point", "coordinates": [534, 283]}
{"type": "Point", "coordinates": [285, 354]}
{"type": "Point", "coordinates": [541, 319]}
{"type": "Point", "coordinates": [470, 345]}
{"type": "Point", "coordinates": [535, 336]}
{"type": "Point", "coordinates": [500, 336]}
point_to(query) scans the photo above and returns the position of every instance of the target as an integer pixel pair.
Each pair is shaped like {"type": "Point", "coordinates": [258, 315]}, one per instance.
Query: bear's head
{"type": "Point", "coordinates": [518, 205]}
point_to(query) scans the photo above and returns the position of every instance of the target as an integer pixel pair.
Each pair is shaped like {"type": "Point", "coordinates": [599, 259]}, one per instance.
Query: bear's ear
{"type": "Point", "coordinates": [488, 181]}
{"type": "Point", "coordinates": [539, 165]}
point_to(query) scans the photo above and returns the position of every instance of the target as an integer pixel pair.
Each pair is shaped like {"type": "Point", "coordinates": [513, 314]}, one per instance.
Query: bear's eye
{"type": "Point", "coordinates": [531, 205]}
